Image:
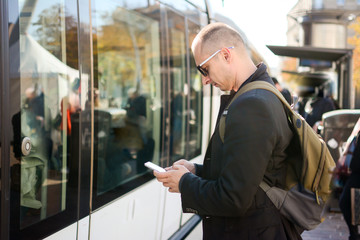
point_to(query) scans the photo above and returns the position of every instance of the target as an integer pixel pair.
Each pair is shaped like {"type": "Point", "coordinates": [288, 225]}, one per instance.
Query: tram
{"type": "Point", "coordinates": [90, 91]}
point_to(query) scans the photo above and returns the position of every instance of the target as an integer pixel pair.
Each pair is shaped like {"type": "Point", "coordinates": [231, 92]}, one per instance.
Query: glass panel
{"type": "Point", "coordinates": [178, 85]}
{"type": "Point", "coordinates": [49, 86]}
{"type": "Point", "coordinates": [179, 5]}
{"type": "Point", "coordinates": [341, 2]}
{"type": "Point", "coordinates": [317, 4]}
{"type": "Point", "coordinates": [328, 35]}
{"type": "Point", "coordinates": [191, 9]}
{"type": "Point", "coordinates": [196, 96]}
{"type": "Point", "coordinates": [199, 3]}
{"type": "Point", "coordinates": [127, 97]}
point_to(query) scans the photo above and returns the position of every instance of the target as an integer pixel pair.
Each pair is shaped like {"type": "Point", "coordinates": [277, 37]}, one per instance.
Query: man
{"type": "Point", "coordinates": [225, 189]}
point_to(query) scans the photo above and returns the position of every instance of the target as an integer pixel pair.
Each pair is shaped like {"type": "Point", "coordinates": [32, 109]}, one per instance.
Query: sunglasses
{"type": "Point", "coordinates": [204, 72]}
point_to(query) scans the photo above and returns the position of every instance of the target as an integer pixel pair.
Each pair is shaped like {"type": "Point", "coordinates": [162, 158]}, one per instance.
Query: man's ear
{"type": "Point", "coordinates": [226, 54]}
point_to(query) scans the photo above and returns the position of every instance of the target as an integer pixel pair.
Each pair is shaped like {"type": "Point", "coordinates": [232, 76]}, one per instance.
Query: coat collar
{"type": "Point", "coordinates": [259, 75]}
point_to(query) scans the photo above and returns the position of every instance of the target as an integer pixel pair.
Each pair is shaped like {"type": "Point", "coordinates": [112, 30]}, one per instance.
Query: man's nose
{"type": "Point", "coordinates": [205, 80]}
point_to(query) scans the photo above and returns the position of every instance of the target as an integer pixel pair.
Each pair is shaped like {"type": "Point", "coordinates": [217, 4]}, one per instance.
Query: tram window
{"type": "Point", "coordinates": [340, 2]}
{"type": "Point", "coordinates": [199, 3]}
{"type": "Point", "coordinates": [179, 88]}
{"type": "Point", "coordinates": [196, 96]}
{"type": "Point", "coordinates": [179, 5]}
{"type": "Point", "coordinates": [318, 4]}
{"type": "Point", "coordinates": [45, 93]}
{"type": "Point", "coordinates": [127, 96]}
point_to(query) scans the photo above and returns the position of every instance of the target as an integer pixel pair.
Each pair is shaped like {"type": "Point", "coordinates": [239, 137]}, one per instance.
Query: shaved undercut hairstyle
{"type": "Point", "coordinates": [218, 35]}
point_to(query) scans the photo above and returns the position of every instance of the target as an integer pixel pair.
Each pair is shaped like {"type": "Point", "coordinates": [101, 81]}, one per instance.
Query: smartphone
{"type": "Point", "coordinates": [154, 167]}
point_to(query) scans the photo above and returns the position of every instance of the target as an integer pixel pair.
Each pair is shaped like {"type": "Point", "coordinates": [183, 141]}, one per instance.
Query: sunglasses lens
{"type": "Point", "coordinates": [202, 71]}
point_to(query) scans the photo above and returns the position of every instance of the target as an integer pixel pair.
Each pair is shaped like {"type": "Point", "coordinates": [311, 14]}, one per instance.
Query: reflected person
{"type": "Point", "coordinates": [136, 114]}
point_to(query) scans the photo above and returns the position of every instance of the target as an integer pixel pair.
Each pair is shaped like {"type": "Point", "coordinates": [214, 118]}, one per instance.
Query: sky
{"type": "Point", "coordinates": [264, 23]}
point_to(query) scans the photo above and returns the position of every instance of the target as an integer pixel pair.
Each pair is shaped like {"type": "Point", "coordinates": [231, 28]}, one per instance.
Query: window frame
{"type": "Point", "coordinates": [50, 224]}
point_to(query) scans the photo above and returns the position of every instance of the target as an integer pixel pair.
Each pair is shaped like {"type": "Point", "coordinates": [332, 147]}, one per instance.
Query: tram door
{"type": "Point", "coordinates": [45, 98]}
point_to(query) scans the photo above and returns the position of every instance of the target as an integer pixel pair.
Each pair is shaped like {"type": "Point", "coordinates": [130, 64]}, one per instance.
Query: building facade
{"type": "Point", "coordinates": [324, 24]}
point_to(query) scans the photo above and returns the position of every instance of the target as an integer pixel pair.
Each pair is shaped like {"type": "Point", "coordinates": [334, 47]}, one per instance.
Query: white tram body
{"type": "Point", "coordinates": [97, 88]}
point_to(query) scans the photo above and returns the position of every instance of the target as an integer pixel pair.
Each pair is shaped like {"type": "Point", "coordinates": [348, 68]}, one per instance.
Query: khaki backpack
{"type": "Point", "coordinates": [309, 168]}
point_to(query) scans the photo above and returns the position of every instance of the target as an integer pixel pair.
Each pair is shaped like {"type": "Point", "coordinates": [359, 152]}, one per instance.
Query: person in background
{"type": "Point", "coordinates": [353, 181]}
{"type": "Point", "coordinates": [316, 107]}
{"type": "Point", "coordinates": [225, 190]}
{"type": "Point", "coordinates": [284, 91]}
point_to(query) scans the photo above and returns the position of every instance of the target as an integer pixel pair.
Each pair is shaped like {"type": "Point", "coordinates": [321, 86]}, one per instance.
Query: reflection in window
{"type": "Point", "coordinates": [127, 96]}
{"type": "Point", "coordinates": [196, 96]}
{"type": "Point", "coordinates": [49, 90]}
{"type": "Point", "coordinates": [318, 4]}
{"type": "Point", "coordinates": [199, 3]}
{"type": "Point", "coordinates": [340, 2]}
{"type": "Point", "coordinates": [178, 85]}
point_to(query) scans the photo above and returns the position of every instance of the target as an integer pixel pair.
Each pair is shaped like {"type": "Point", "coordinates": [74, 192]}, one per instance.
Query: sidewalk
{"type": "Point", "coordinates": [333, 227]}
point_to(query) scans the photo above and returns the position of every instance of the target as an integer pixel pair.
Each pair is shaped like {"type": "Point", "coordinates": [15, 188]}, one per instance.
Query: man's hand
{"type": "Point", "coordinates": [189, 165]}
{"type": "Point", "coordinates": [171, 177]}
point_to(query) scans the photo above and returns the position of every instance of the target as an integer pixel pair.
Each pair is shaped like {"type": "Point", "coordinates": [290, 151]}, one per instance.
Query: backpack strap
{"type": "Point", "coordinates": [264, 186]}
{"type": "Point", "coordinates": [246, 88]}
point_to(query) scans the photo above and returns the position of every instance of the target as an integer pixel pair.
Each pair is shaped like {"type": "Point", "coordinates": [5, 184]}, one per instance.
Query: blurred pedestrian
{"type": "Point", "coordinates": [316, 107]}
{"type": "Point", "coordinates": [353, 181]}
{"type": "Point", "coordinates": [225, 189]}
{"type": "Point", "coordinates": [284, 91]}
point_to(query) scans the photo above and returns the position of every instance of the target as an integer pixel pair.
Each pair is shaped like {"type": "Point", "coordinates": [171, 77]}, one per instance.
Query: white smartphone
{"type": "Point", "coordinates": [154, 167]}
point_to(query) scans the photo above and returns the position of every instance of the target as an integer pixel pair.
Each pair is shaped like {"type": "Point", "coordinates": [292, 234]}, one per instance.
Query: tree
{"type": "Point", "coordinates": [49, 32]}
{"type": "Point", "coordinates": [289, 65]}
